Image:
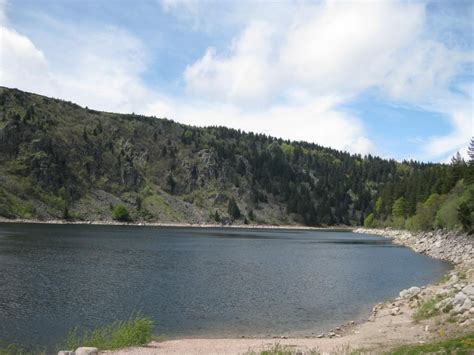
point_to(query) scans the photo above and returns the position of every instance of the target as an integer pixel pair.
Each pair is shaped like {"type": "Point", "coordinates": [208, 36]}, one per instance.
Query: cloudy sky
{"type": "Point", "coordinates": [388, 78]}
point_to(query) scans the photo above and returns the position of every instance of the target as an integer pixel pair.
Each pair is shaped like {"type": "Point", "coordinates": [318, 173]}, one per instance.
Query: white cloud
{"type": "Point", "coordinates": [20, 61]}
{"type": "Point", "coordinates": [89, 67]}
{"type": "Point", "coordinates": [338, 48]}
{"type": "Point", "coordinates": [444, 147]}
{"type": "Point", "coordinates": [243, 75]}
{"type": "Point", "coordinates": [348, 47]}
{"type": "Point", "coordinates": [285, 73]}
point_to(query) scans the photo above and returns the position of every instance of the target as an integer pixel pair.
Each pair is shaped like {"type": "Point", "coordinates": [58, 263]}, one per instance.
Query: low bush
{"type": "Point", "coordinates": [14, 349]}
{"type": "Point", "coordinates": [132, 332]}
{"type": "Point", "coordinates": [120, 213]}
{"type": "Point", "coordinates": [426, 310]}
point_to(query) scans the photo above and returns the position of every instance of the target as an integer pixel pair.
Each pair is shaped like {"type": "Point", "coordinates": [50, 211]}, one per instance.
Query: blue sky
{"type": "Point", "coordinates": [388, 78]}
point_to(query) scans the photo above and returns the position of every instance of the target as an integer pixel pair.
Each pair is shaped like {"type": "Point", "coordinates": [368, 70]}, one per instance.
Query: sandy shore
{"type": "Point", "coordinates": [390, 323]}
{"type": "Point", "coordinates": [384, 330]}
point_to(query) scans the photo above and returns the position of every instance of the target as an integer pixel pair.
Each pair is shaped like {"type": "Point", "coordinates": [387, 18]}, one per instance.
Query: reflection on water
{"type": "Point", "coordinates": [195, 282]}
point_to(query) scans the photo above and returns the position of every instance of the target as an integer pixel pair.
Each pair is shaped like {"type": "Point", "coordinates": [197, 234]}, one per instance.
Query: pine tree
{"type": "Point", "coordinates": [470, 167]}
{"type": "Point", "coordinates": [233, 209]}
{"type": "Point", "coordinates": [470, 152]}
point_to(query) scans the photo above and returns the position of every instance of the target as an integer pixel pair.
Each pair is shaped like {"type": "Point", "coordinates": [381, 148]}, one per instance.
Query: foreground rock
{"type": "Point", "coordinates": [80, 351]}
{"type": "Point", "coordinates": [410, 293]}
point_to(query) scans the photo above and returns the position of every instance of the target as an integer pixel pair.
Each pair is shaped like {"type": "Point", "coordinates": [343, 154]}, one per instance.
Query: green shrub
{"type": "Point", "coordinates": [397, 222]}
{"type": "Point", "coordinates": [461, 345]}
{"type": "Point", "coordinates": [120, 334]}
{"type": "Point", "coordinates": [399, 207]}
{"type": "Point", "coordinates": [466, 210]}
{"type": "Point", "coordinates": [369, 221]}
{"type": "Point", "coordinates": [426, 310]}
{"type": "Point", "coordinates": [424, 219]}
{"type": "Point", "coordinates": [120, 213]}
{"type": "Point", "coordinates": [278, 349]}
{"type": "Point", "coordinates": [447, 215]}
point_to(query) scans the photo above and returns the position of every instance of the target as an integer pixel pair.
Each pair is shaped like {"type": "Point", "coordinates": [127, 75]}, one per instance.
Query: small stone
{"type": "Point", "coordinates": [86, 351]}
{"type": "Point", "coordinates": [395, 311]}
{"type": "Point", "coordinates": [442, 293]}
{"type": "Point", "coordinates": [66, 352]}
{"type": "Point", "coordinates": [469, 291]}
{"type": "Point", "coordinates": [320, 336]}
{"type": "Point", "coordinates": [453, 280]}
{"type": "Point", "coordinates": [461, 303]}
{"type": "Point", "coordinates": [459, 299]}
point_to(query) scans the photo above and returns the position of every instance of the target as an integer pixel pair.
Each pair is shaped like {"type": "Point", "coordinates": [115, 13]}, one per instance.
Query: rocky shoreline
{"type": "Point", "coordinates": [457, 248]}
{"type": "Point", "coordinates": [451, 301]}
{"type": "Point", "coordinates": [174, 225]}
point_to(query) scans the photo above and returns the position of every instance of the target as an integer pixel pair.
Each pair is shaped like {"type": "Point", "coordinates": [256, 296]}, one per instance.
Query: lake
{"type": "Point", "coordinates": [196, 282]}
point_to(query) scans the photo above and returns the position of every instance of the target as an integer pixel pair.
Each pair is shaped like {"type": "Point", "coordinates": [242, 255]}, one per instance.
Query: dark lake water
{"type": "Point", "coordinates": [195, 282]}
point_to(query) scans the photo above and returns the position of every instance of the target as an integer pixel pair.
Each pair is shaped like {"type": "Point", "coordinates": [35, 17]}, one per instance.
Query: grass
{"type": "Point", "coordinates": [121, 334]}
{"type": "Point", "coordinates": [14, 349]}
{"type": "Point", "coordinates": [444, 278]}
{"type": "Point", "coordinates": [156, 203]}
{"type": "Point", "coordinates": [427, 309]}
{"type": "Point", "coordinates": [461, 345]}
{"type": "Point", "coordinates": [278, 349]}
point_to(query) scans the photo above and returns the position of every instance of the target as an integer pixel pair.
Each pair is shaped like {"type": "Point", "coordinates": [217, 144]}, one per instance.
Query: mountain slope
{"type": "Point", "coordinates": [59, 160]}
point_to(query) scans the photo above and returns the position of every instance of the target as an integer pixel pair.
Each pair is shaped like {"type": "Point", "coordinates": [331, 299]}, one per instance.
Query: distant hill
{"type": "Point", "coordinates": [59, 160]}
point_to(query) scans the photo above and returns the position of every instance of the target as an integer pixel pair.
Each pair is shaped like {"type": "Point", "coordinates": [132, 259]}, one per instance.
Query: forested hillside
{"type": "Point", "coordinates": [59, 160]}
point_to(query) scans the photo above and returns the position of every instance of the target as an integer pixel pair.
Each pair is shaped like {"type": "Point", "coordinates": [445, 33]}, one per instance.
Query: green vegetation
{"type": "Point", "coordinates": [14, 349]}
{"type": "Point", "coordinates": [278, 349]}
{"type": "Point", "coordinates": [441, 196]}
{"type": "Point", "coordinates": [233, 209]}
{"type": "Point", "coordinates": [460, 345]}
{"type": "Point", "coordinates": [120, 213]}
{"type": "Point", "coordinates": [61, 161]}
{"type": "Point", "coordinates": [120, 334]}
{"type": "Point", "coordinates": [426, 310]}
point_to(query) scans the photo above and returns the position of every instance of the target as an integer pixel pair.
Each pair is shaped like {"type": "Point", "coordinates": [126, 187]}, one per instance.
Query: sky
{"type": "Point", "coordinates": [390, 78]}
